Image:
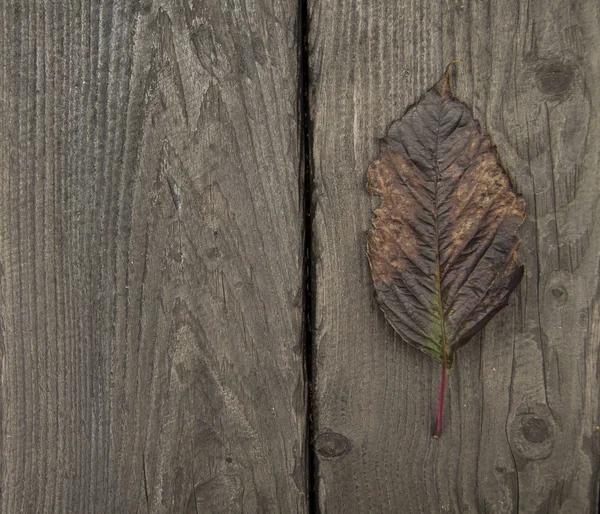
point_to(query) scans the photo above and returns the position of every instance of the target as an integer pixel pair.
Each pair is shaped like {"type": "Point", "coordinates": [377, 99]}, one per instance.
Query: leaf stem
{"type": "Point", "coordinates": [438, 419]}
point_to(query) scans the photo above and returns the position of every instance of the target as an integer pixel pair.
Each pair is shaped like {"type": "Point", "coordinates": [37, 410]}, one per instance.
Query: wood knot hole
{"type": "Point", "coordinates": [559, 295]}
{"type": "Point", "coordinates": [330, 445]}
{"type": "Point", "coordinates": [532, 432]}
{"type": "Point", "coordinates": [554, 79]}
{"type": "Point", "coordinates": [535, 430]}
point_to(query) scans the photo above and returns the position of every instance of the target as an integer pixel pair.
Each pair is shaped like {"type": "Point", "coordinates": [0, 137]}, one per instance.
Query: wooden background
{"type": "Point", "coordinates": [154, 297]}
{"type": "Point", "coordinates": [152, 238]}
{"type": "Point", "coordinates": [522, 406]}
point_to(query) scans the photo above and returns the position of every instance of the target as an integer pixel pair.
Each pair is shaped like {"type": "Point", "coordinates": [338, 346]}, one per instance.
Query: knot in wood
{"type": "Point", "coordinates": [554, 79]}
{"type": "Point", "coordinates": [535, 430]}
{"type": "Point", "coordinates": [559, 295]}
{"type": "Point", "coordinates": [532, 432]}
{"type": "Point", "coordinates": [331, 445]}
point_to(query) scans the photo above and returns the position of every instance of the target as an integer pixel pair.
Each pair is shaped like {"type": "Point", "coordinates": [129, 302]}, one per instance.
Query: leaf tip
{"type": "Point", "coordinates": [446, 83]}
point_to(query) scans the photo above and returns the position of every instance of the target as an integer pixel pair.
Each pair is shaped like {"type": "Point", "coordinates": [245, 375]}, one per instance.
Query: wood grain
{"type": "Point", "coordinates": [151, 254]}
{"type": "Point", "coordinates": [521, 417]}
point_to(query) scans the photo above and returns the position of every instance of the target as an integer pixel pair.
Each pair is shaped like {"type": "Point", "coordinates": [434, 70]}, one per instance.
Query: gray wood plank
{"type": "Point", "coordinates": [521, 417]}
{"type": "Point", "coordinates": [151, 252]}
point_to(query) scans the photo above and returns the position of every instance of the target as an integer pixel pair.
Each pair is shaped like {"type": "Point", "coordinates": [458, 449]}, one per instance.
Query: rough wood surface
{"type": "Point", "coordinates": [521, 415]}
{"type": "Point", "coordinates": [151, 252]}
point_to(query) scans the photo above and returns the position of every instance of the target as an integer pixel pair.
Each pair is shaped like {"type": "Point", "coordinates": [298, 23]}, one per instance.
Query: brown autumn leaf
{"type": "Point", "coordinates": [443, 250]}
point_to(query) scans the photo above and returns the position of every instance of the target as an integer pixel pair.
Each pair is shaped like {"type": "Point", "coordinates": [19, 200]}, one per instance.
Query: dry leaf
{"type": "Point", "coordinates": [443, 250]}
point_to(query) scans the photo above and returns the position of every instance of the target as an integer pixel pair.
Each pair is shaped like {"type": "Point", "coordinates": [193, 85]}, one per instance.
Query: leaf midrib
{"type": "Point", "coordinates": [438, 275]}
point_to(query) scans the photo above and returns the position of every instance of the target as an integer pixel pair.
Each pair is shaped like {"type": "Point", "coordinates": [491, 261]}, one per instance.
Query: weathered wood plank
{"type": "Point", "coordinates": [522, 410]}
{"type": "Point", "coordinates": [151, 252]}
